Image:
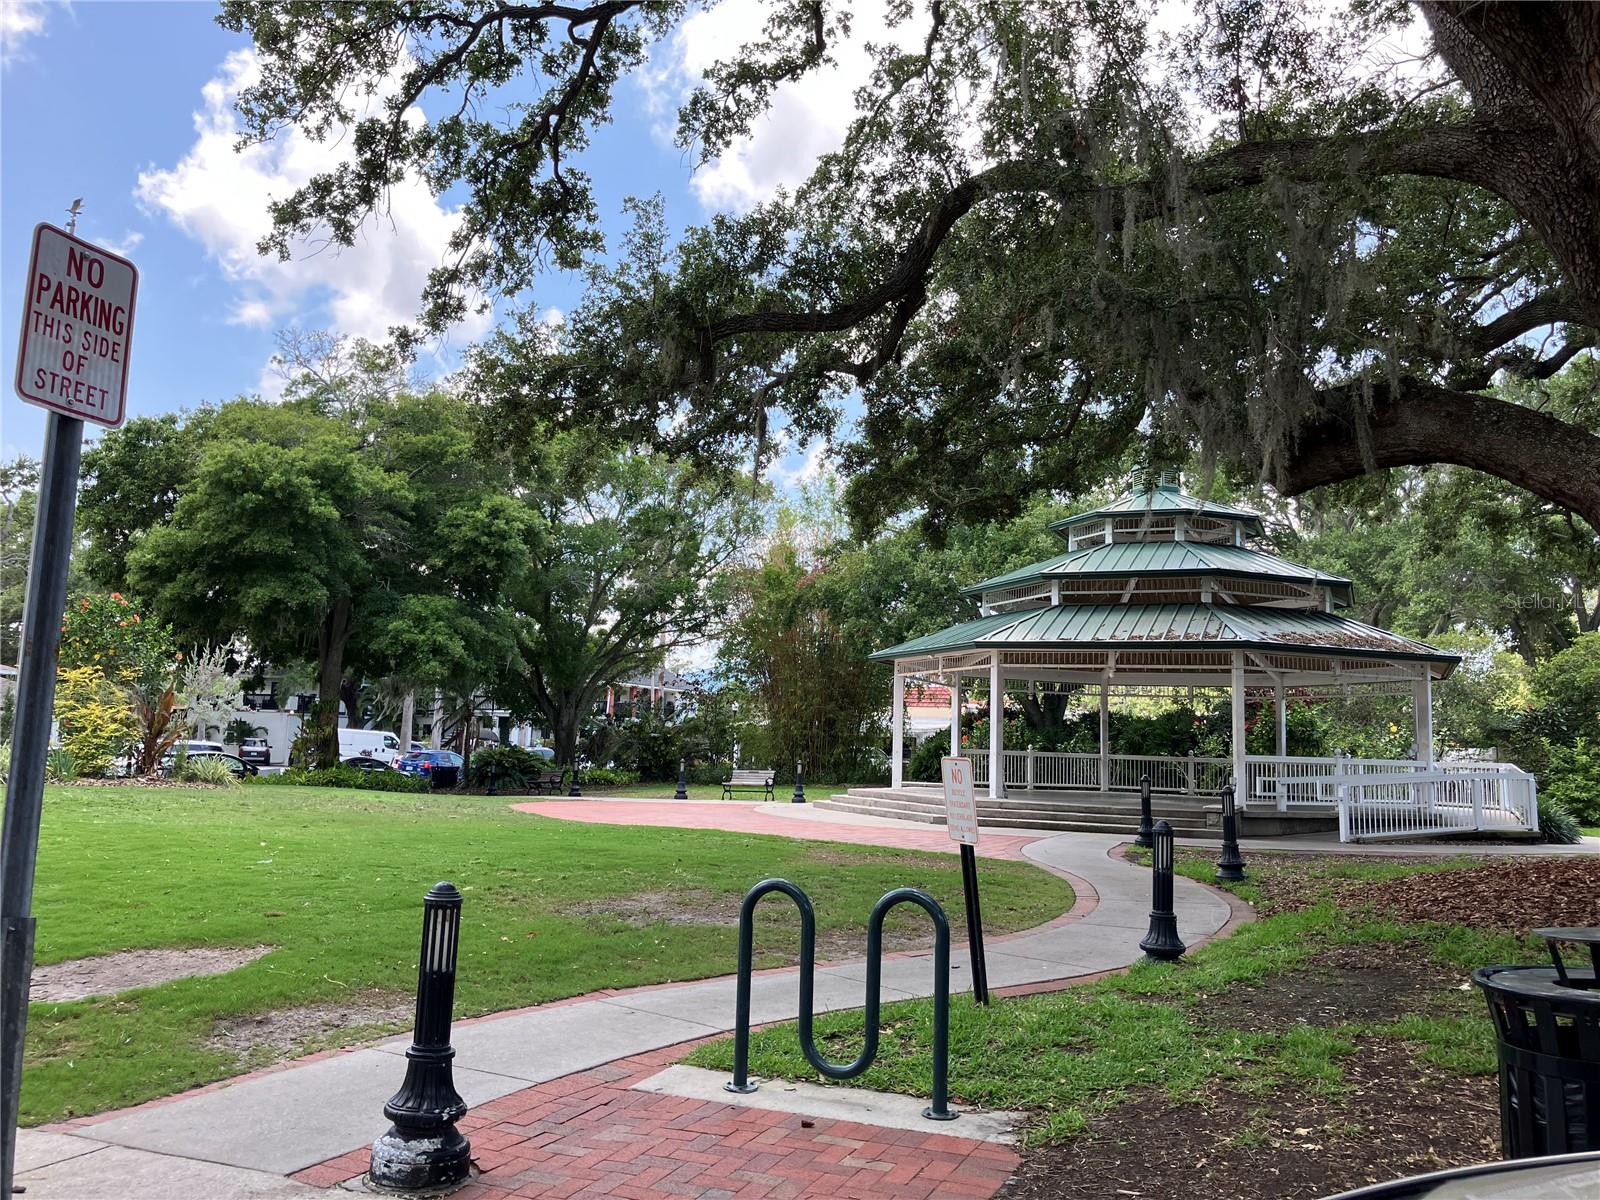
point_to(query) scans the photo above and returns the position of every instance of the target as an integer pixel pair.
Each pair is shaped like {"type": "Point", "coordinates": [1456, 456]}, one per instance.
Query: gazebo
{"type": "Point", "coordinates": [1159, 594]}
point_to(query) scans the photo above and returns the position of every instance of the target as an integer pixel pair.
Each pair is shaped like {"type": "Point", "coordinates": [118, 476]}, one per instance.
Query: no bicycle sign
{"type": "Point", "coordinates": [77, 325]}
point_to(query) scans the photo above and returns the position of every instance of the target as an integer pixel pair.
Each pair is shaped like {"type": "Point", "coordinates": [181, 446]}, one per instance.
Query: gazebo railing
{"type": "Point", "coordinates": [1437, 801]}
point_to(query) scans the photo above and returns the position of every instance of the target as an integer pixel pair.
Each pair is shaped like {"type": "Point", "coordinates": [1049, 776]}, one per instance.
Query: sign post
{"type": "Point", "coordinates": [961, 819]}
{"type": "Point", "coordinates": [77, 325]}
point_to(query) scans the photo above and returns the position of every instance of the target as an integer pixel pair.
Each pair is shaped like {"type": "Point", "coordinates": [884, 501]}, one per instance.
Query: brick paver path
{"type": "Point", "coordinates": [588, 1135]}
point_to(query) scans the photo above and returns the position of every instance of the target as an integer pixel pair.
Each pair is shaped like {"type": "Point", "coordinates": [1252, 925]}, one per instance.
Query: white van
{"type": "Point", "coordinates": [369, 743]}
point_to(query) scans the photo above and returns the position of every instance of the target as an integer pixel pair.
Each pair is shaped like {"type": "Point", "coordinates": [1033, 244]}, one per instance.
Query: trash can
{"type": "Point", "coordinates": [1547, 1026]}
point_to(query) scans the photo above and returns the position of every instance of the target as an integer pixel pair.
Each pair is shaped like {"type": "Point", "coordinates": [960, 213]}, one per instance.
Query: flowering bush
{"type": "Point", "coordinates": [105, 630]}
{"type": "Point", "coordinates": [97, 723]}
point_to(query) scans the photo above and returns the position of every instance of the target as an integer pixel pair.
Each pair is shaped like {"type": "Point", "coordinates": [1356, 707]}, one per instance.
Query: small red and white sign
{"type": "Point", "coordinates": [960, 802]}
{"type": "Point", "coordinates": [77, 327]}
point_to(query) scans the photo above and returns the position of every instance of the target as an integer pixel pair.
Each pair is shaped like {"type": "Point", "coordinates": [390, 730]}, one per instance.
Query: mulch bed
{"type": "Point", "coordinates": [1399, 1117]}
{"type": "Point", "coordinates": [1395, 1115]}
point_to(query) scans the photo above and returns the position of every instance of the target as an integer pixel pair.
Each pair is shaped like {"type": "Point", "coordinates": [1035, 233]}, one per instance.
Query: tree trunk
{"type": "Point", "coordinates": [331, 643]}
{"type": "Point", "coordinates": [1418, 423]}
{"type": "Point", "coordinates": [566, 721]}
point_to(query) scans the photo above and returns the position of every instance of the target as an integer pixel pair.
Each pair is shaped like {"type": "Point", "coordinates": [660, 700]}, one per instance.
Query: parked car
{"type": "Point", "coordinates": [544, 752]}
{"type": "Point", "coordinates": [365, 762]}
{"type": "Point", "coordinates": [255, 750]}
{"type": "Point", "coordinates": [443, 767]}
{"type": "Point", "coordinates": [235, 764]}
{"type": "Point", "coordinates": [200, 748]}
{"type": "Point", "coordinates": [373, 743]}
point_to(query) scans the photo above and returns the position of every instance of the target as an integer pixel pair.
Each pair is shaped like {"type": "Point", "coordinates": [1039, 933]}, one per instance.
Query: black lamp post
{"type": "Point", "coordinates": [799, 783]}
{"type": "Point", "coordinates": [1162, 940]}
{"type": "Point", "coordinates": [683, 780]}
{"type": "Point", "coordinates": [1145, 826]}
{"type": "Point", "coordinates": [423, 1150]}
{"type": "Point", "coordinates": [1230, 866]}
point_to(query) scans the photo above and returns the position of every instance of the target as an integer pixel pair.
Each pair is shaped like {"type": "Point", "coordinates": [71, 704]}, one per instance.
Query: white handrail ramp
{"type": "Point", "coordinates": [1372, 807]}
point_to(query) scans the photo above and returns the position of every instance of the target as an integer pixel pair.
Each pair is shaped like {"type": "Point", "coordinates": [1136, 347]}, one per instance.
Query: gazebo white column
{"type": "Point", "coordinates": [1105, 735]}
{"type": "Point", "coordinates": [1280, 705]}
{"type": "Point", "coordinates": [1241, 778]}
{"type": "Point", "coordinates": [955, 714]}
{"type": "Point", "coordinates": [1422, 715]}
{"type": "Point", "coordinates": [897, 733]}
{"type": "Point", "coordinates": [997, 729]}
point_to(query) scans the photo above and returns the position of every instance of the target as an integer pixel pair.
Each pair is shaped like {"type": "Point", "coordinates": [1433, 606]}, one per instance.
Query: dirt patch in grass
{"type": "Point", "coordinates": [1362, 984]}
{"type": "Point", "coordinates": [1395, 1116]}
{"type": "Point", "coordinates": [107, 974]}
{"type": "Point", "coordinates": [1510, 894]}
{"type": "Point", "coordinates": [693, 906]}
{"type": "Point", "coordinates": [255, 1038]}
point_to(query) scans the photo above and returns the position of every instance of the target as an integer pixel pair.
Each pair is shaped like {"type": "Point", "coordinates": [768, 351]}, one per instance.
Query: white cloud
{"type": "Point", "coordinates": [806, 118]}
{"type": "Point", "coordinates": [20, 21]}
{"type": "Point", "coordinates": [124, 245]}
{"type": "Point", "coordinates": [218, 196]}
{"type": "Point", "coordinates": [788, 472]}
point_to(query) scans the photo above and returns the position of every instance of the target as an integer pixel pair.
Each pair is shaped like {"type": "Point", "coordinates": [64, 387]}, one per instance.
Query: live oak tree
{"type": "Point", "coordinates": [625, 569]}
{"type": "Point", "coordinates": [1047, 233]}
{"type": "Point", "coordinates": [315, 534]}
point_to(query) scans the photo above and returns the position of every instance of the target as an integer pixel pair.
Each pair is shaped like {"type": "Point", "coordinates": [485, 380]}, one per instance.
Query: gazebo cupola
{"type": "Point", "coordinates": [1156, 593]}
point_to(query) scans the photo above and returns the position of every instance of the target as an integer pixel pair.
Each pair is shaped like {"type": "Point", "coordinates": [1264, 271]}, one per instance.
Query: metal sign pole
{"type": "Point", "coordinates": [30, 743]}
{"type": "Point", "coordinates": [969, 883]}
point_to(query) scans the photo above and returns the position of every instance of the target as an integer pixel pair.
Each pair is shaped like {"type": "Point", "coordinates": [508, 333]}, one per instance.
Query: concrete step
{"type": "Point", "coordinates": [1032, 816]}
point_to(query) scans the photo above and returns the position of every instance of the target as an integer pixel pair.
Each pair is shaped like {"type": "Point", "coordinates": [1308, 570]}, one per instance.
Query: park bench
{"type": "Point", "coordinates": [748, 781]}
{"type": "Point", "coordinates": [547, 783]}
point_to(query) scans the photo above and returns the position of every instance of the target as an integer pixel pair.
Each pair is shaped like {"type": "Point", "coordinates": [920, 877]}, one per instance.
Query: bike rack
{"type": "Point", "coordinates": [939, 1110]}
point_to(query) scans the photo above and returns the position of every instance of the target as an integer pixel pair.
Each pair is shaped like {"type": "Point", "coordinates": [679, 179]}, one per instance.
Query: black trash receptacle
{"type": "Point", "coordinates": [1547, 1024]}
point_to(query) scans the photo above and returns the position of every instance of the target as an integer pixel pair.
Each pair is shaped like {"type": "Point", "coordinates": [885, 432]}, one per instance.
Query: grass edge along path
{"type": "Point", "coordinates": [1065, 1056]}
{"type": "Point", "coordinates": [333, 881]}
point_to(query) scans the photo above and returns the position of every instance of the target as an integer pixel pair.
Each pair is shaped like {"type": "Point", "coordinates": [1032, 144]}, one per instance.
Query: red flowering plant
{"type": "Point", "coordinates": [106, 631]}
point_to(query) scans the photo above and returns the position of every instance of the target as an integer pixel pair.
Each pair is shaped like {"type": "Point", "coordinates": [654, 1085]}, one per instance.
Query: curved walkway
{"type": "Point", "coordinates": [282, 1121]}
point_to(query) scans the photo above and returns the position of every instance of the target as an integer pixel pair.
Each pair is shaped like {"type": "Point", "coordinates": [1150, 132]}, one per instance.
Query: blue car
{"type": "Point", "coordinates": [443, 767]}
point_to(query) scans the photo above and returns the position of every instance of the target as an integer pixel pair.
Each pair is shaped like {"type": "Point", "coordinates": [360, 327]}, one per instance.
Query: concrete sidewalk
{"type": "Point", "coordinates": [241, 1139]}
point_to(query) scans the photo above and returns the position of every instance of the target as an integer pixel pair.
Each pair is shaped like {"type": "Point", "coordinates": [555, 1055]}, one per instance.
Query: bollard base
{"type": "Point", "coordinates": [1162, 941]}
{"type": "Point", "coordinates": [934, 1114]}
{"type": "Point", "coordinates": [1229, 872]}
{"type": "Point", "coordinates": [741, 1089]}
{"type": "Point", "coordinates": [420, 1164]}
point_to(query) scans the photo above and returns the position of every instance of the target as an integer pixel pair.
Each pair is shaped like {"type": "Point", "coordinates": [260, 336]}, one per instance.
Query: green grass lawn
{"type": "Point", "coordinates": [1068, 1056]}
{"type": "Point", "coordinates": [1591, 830]}
{"type": "Point", "coordinates": [334, 881]}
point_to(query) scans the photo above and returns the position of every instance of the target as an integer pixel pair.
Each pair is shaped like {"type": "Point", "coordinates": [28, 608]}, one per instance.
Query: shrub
{"type": "Point", "coordinates": [346, 777]}
{"type": "Point", "coordinates": [924, 764]}
{"type": "Point", "coordinates": [59, 766]}
{"type": "Point", "coordinates": [709, 773]}
{"type": "Point", "coordinates": [96, 720]}
{"type": "Point", "coordinates": [1557, 824]}
{"type": "Point", "coordinates": [1572, 779]}
{"type": "Point", "coordinates": [207, 769]}
{"type": "Point", "coordinates": [513, 767]}
{"type": "Point", "coordinates": [603, 777]}
{"type": "Point", "coordinates": [5, 763]}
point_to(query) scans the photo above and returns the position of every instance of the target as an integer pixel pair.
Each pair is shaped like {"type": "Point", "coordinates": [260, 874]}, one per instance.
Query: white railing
{"type": "Point", "coordinates": [1046, 769]}
{"type": "Point", "coordinates": [1470, 799]}
{"type": "Point", "coordinates": [1282, 782]}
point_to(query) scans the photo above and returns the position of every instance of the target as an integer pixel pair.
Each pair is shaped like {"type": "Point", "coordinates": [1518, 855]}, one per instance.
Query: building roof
{"type": "Point", "coordinates": [1162, 558]}
{"type": "Point", "coordinates": [1195, 626]}
{"type": "Point", "coordinates": [1164, 499]}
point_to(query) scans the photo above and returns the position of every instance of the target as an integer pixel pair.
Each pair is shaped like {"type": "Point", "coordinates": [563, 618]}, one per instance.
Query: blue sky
{"type": "Point", "coordinates": [128, 106]}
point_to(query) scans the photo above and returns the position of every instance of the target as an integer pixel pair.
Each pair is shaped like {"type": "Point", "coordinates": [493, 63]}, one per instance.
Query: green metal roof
{"type": "Point", "coordinates": [1229, 626]}
{"type": "Point", "coordinates": [1163, 499]}
{"type": "Point", "coordinates": [1121, 559]}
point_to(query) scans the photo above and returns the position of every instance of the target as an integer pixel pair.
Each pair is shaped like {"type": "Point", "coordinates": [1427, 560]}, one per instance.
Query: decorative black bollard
{"type": "Point", "coordinates": [1145, 826]}
{"type": "Point", "coordinates": [492, 790]}
{"type": "Point", "coordinates": [799, 783]}
{"type": "Point", "coordinates": [683, 780]}
{"type": "Point", "coordinates": [423, 1150]}
{"type": "Point", "coordinates": [1162, 940]}
{"type": "Point", "coordinates": [1230, 867]}
{"type": "Point", "coordinates": [575, 790]}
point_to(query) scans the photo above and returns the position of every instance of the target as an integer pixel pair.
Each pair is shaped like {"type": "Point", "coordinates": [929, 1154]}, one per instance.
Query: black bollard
{"type": "Point", "coordinates": [1145, 827]}
{"type": "Point", "coordinates": [683, 781]}
{"type": "Point", "coordinates": [575, 790]}
{"type": "Point", "coordinates": [492, 790]}
{"type": "Point", "coordinates": [799, 783]}
{"type": "Point", "coordinates": [1230, 867]}
{"type": "Point", "coordinates": [1162, 940]}
{"type": "Point", "coordinates": [424, 1152]}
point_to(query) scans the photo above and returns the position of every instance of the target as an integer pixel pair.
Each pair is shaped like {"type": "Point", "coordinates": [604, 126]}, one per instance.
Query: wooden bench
{"type": "Point", "coordinates": [547, 783]}
{"type": "Point", "coordinates": [748, 781]}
